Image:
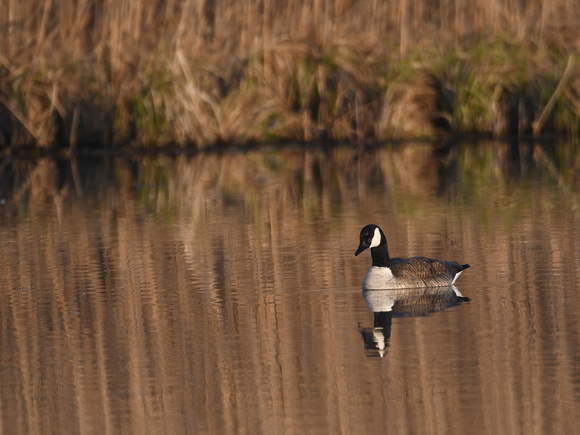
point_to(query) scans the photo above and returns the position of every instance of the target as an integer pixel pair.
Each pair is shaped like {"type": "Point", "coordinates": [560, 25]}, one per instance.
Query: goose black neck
{"type": "Point", "coordinates": [380, 256]}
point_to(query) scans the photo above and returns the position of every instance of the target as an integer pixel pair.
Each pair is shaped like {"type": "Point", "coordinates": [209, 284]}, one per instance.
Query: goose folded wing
{"type": "Point", "coordinates": [424, 268]}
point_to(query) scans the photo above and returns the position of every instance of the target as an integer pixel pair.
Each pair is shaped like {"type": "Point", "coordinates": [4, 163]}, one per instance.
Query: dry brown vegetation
{"type": "Point", "coordinates": [201, 72]}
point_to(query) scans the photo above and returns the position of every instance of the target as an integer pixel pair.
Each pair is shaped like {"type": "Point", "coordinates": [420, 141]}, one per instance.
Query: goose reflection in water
{"type": "Point", "coordinates": [412, 302]}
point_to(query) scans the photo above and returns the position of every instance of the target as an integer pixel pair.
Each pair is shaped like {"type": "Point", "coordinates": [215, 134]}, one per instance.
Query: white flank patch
{"type": "Point", "coordinates": [455, 278]}
{"type": "Point", "coordinates": [376, 239]}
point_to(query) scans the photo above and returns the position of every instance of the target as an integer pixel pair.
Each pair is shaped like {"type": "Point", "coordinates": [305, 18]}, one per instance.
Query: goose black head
{"type": "Point", "coordinates": [371, 236]}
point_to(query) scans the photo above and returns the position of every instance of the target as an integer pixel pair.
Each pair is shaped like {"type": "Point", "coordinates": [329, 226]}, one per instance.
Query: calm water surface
{"type": "Point", "coordinates": [220, 294]}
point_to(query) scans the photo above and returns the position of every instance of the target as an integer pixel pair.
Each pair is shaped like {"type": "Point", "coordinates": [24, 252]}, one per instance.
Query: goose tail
{"type": "Point", "coordinates": [461, 269]}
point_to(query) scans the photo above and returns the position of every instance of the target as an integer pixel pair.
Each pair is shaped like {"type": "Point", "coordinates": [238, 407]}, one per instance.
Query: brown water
{"type": "Point", "coordinates": [221, 294]}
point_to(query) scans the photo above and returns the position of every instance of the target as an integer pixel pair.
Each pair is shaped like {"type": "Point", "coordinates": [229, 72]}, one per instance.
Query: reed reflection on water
{"type": "Point", "coordinates": [219, 293]}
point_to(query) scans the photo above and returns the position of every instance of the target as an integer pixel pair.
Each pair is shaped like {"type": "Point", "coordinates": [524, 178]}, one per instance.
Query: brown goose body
{"type": "Point", "coordinates": [394, 273]}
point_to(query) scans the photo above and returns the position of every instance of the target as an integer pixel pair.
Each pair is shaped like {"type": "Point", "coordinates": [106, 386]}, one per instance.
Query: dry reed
{"type": "Point", "coordinates": [207, 72]}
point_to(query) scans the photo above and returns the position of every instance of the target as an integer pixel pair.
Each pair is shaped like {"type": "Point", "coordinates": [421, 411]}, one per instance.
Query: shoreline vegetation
{"type": "Point", "coordinates": [202, 73]}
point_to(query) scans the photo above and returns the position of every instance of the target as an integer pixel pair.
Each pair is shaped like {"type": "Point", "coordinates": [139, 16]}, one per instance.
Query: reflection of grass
{"type": "Point", "coordinates": [504, 185]}
{"type": "Point", "coordinates": [500, 185]}
{"type": "Point", "coordinates": [489, 180]}
{"type": "Point", "coordinates": [284, 193]}
{"type": "Point", "coordinates": [327, 70]}
{"type": "Point", "coordinates": [197, 296]}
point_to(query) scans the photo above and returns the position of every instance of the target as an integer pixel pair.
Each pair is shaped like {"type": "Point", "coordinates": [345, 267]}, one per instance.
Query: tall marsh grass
{"type": "Point", "coordinates": [85, 73]}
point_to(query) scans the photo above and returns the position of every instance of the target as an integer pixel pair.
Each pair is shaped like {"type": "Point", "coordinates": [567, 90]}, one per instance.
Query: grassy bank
{"type": "Point", "coordinates": [209, 72]}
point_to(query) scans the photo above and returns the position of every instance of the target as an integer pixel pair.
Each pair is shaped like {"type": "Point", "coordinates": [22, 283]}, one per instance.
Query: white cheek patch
{"type": "Point", "coordinates": [376, 239]}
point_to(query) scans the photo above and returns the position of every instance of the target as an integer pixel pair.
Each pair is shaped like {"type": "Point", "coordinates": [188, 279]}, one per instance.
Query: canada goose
{"type": "Point", "coordinates": [392, 273]}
